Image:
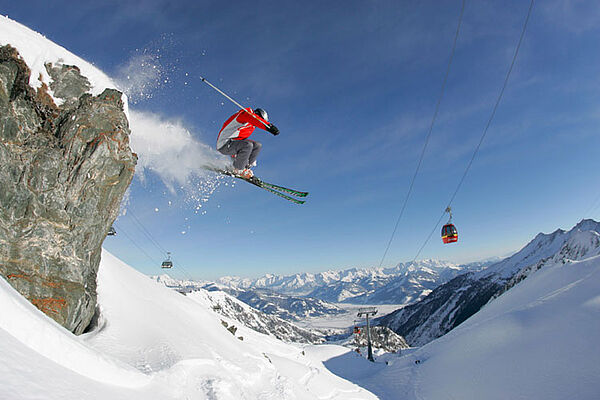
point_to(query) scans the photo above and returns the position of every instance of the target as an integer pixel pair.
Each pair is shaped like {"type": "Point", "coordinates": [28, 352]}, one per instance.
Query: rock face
{"type": "Point", "coordinates": [63, 173]}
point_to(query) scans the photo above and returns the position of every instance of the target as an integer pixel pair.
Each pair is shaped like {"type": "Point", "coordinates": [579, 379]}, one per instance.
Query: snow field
{"type": "Point", "coordinates": [152, 343]}
{"type": "Point", "coordinates": [20, 319]}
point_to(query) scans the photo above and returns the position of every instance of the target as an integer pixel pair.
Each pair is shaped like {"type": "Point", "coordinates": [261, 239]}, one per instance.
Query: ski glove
{"type": "Point", "coordinates": [273, 129]}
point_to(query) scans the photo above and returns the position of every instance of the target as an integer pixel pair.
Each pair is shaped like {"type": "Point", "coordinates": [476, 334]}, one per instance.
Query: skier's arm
{"type": "Point", "coordinates": [249, 117]}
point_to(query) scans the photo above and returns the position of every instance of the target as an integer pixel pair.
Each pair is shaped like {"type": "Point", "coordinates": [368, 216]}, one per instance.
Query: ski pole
{"type": "Point", "coordinates": [228, 98]}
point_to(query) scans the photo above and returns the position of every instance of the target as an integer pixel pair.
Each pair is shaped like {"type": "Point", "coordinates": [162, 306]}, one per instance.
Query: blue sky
{"type": "Point", "coordinates": [352, 85]}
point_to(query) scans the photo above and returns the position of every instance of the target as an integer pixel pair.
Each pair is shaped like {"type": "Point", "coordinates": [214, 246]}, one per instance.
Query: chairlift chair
{"type": "Point", "coordinates": [167, 263]}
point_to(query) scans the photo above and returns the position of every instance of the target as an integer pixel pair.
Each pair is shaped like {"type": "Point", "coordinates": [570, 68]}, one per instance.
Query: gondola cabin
{"type": "Point", "coordinates": [449, 234]}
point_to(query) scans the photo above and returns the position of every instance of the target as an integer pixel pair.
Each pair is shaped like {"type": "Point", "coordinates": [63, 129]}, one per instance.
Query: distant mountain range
{"type": "Point", "coordinates": [287, 307]}
{"type": "Point", "coordinates": [303, 295]}
{"type": "Point", "coordinates": [402, 284]}
{"type": "Point", "coordinates": [453, 302]}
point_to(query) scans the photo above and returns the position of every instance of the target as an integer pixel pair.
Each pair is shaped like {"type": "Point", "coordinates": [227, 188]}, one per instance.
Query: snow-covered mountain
{"type": "Point", "coordinates": [538, 340]}
{"type": "Point", "coordinates": [287, 307]}
{"type": "Point", "coordinates": [452, 303]}
{"type": "Point", "coordinates": [236, 310]}
{"type": "Point", "coordinates": [150, 342]}
{"type": "Point", "coordinates": [403, 284]}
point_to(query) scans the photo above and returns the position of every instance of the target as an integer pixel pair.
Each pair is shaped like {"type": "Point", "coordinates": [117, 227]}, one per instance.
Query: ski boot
{"type": "Point", "coordinates": [244, 173]}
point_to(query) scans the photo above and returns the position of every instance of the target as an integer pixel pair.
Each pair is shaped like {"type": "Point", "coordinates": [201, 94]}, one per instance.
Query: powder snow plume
{"type": "Point", "coordinates": [164, 145]}
{"type": "Point", "coordinates": [168, 149]}
{"type": "Point", "coordinates": [140, 77]}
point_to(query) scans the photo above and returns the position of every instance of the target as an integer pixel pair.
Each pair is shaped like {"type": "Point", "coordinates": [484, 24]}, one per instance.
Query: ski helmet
{"type": "Point", "coordinates": [261, 113]}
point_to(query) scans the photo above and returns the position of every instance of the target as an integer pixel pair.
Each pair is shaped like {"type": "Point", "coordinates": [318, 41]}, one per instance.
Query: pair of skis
{"type": "Point", "coordinates": [281, 191]}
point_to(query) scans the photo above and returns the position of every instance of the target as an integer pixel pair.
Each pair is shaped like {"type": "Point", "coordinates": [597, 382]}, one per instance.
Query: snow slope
{"type": "Point", "coordinates": [538, 340]}
{"type": "Point", "coordinates": [152, 343]}
{"type": "Point", "coordinates": [453, 302]}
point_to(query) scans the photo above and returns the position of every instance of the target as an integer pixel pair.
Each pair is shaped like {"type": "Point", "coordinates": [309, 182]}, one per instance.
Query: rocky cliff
{"type": "Point", "coordinates": [63, 172]}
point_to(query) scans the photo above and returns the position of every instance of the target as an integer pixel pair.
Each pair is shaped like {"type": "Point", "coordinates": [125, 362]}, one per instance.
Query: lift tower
{"type": "Point", "coordinates": [368, 311]}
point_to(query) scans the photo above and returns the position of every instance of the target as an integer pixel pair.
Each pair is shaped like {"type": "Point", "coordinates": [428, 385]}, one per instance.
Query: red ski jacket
{"type": "Point", "coordinates": [240, 126]}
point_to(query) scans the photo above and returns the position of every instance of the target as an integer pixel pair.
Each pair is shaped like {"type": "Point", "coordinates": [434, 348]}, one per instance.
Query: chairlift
{"type": "Point", "coordinates": [167, 263]}
{"type": "Point", "coordinates": [449, 232]}
{"type": "Point", "coordinates": [112, 231]}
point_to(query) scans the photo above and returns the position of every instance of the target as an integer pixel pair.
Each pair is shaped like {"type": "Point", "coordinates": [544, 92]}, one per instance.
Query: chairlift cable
{"type": "Point", "coordinates": [156, 244]}
{"type": "Point", "coordinates": [433, 119]}
{"type": "Point", "coordinates": [146, 232]}
{"type": "Point", "coordinates": [154, 262]}
{"type": "Point", "coordinates": [495, 108]}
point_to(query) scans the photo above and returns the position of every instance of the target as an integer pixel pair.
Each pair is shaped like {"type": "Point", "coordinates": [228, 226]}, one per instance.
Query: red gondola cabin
{"type": "Point", "coordinates": [449, 234]}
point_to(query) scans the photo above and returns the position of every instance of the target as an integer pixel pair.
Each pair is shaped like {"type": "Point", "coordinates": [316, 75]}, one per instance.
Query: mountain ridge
{"type": "Point", "coordinates": [455, 301]}
{"type": "Point", "coordinates": [408, 282]}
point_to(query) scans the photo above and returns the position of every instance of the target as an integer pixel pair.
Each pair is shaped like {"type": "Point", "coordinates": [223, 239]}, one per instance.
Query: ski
{"type": "Point", "coordinates": [275, 189]}
{"type": "Point", "coordinates": [282, 195]}
{"type": "Point", "coordinates": [294, 192]}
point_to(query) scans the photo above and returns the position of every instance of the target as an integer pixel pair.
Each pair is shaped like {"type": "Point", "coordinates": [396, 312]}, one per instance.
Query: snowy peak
{"type": "Point", "coordinates": [541, 247]}
{"type": "Point", "coordinates": [403, 283]}
{"type": "Point", "coordinates": [587, 225]}
{"type": "Point", "coordinates": [452, 303]}
{"type": "Point", "coordinates": [581, 245]}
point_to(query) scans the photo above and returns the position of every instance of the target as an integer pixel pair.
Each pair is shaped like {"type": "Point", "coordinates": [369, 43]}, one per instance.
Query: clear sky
{"type": "Point", "coordinates": [352, 86]}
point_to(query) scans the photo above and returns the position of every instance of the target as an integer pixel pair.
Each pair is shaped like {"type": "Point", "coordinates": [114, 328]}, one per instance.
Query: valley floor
{"type": "Point", "coordinates": [345, 320]}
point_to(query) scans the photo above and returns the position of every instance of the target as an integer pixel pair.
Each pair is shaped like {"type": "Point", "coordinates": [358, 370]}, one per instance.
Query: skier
{"type": "Point", "coordinates": [233, 139]}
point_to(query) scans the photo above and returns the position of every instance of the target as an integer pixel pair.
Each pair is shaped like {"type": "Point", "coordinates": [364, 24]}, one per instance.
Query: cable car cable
{"type": "Point", "coordinates": [486, 127]}
{"type": "Point", "coordinates": [593, 207]}
{"type": "Point", "coordinates": [433, 119]}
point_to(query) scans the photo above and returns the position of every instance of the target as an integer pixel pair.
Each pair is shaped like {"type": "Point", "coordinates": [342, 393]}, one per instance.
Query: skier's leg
{"type": "Point", "coordinates": [241, 149]}
{"type": "Point", "coordinates": [256, 146]}
{"type": "Point", "coordinates": [244, 149]}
